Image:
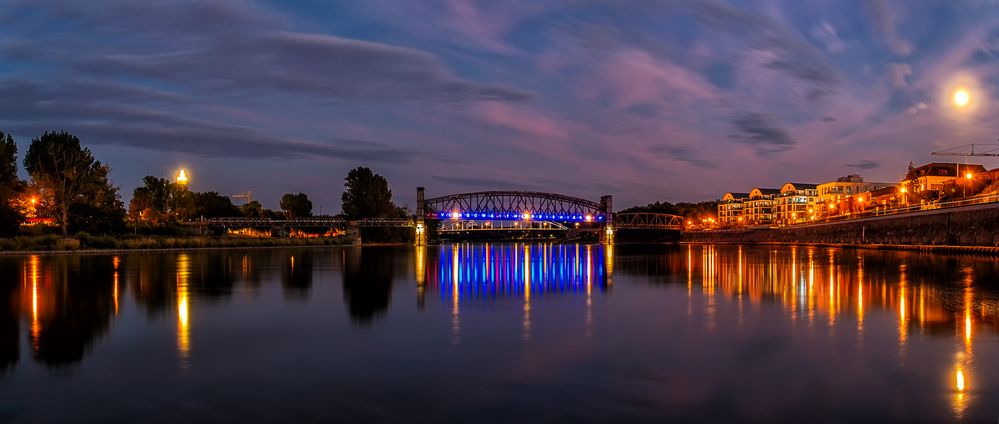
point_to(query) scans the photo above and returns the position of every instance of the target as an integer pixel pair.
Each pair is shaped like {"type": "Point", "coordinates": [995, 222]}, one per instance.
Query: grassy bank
{"type": "Point", "coordinates": [84, 241]}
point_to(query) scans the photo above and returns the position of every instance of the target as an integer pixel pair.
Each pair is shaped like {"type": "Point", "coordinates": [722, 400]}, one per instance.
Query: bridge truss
{"type": "Point", "coordinates": [647, 221]}
{"type": "Point", "coordinates": [514, 205]}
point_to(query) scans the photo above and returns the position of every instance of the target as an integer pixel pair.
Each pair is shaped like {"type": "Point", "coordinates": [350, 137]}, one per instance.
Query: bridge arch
{"type": "Point", "coordinates": [517, 205]}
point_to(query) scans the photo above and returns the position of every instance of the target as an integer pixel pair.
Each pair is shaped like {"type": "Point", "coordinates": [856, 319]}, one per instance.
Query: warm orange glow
{"type": "Point", "coordinates": [959, 383]}
{"type": "Point", "coordinates": [902, 190]}
{"type": "Point", "coordinates": [182, 176]}
{"type": "Point", "coordinates": [183, 312]}
{"type": "Point", "coordinates": [961, 98]}
{"type": "Point", "coordinates": [34, 200]}
{"type": "Point", "coordinates": [589, 218]}
{"type": "Point", "coordinates": [968, 175]}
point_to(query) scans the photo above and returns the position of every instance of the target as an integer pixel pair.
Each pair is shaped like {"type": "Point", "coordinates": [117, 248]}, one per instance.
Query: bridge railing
{"type": "Point", "coordinates": [237, 222]}
{"type": "Point", "coordinates": [456, 226]}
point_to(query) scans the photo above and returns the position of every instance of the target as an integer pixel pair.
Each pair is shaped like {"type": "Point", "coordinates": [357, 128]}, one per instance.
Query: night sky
{"type": "Point", "coordinates": [644, 100]}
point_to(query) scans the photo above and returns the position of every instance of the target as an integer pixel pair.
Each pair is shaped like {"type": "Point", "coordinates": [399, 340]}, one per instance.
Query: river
{"type": "Point", "coordinates": [499, 333]}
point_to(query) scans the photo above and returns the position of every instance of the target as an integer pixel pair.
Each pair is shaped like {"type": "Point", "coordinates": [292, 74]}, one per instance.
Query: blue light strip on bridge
{"type": "Point", "coordinates": [506, 216]}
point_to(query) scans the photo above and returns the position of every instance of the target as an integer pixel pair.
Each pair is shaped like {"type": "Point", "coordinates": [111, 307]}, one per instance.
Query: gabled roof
{"type": "Point", "coordinates": [803, 186]}
{"type": "Point", "coordinates": [736, 195]}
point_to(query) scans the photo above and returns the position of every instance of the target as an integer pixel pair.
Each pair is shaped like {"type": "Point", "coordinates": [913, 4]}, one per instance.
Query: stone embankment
{"type": "Point", "coordinates": [967, 226]}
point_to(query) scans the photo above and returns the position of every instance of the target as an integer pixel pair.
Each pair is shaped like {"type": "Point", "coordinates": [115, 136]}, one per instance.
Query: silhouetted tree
{"type": "Point", "coordinates": [252, 209]}
{"type": "Point", "coordinates": [296, 205]}
{"type": "Point", "coordinates": [367, 195]}
{"type": "Point", "coordinates": [100, 210]}
{"type": "Point", "coordinates": [62, 170]}
{"type": "Point", "coordinates": [213, 205]}
{"type": "Point", "coordinates": [153, 195]}
{"type": "Point", "coordinates": [10, 186]}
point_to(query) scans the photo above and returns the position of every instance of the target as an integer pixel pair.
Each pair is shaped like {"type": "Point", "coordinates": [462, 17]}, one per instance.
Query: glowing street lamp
{"type": "Point", "coordinates": [182, 177]}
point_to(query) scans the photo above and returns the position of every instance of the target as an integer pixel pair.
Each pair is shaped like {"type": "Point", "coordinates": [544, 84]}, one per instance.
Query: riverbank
{"type": "Point", "coordinates": [970, 229]}
{"type": "Point", "coordinates": [981, 250]}
{"type": "Point", "coordinates": [107, 244]}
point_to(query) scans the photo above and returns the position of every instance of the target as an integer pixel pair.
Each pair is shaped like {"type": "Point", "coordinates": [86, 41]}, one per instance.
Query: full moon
{"type": "Point", "coordinates": [961, 98]}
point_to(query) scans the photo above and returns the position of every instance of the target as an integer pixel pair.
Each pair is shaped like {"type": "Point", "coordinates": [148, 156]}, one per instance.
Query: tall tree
{"type": "Point", "coordinates": [366, 195]}
{"type": "Point", "coordinates": [154, 194]}
{"type": "Point", "coordinates": [61, 168]}
{"type": "Point", "coordinates": [99, 209]}
{"type": "Point", "coordinates": [10, 186]}
{"type": "Point", "coordinates": [296, 205]}
{"type": "Point", "coordinates": [10, 183]}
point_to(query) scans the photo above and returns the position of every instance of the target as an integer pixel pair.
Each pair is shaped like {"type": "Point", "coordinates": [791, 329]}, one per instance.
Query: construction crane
{"type": "Point", "coordinates": [246, 195]}
{"type": "Point", "coordinates": [970, 150]}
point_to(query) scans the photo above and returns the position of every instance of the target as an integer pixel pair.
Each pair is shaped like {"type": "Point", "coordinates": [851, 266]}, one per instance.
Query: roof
{"type": "Point", "coordinates": [803, 186]}
{"type": "Point", "coordinates": [736, 195]}
{"type": "Point", "coordinates": [766, 191]}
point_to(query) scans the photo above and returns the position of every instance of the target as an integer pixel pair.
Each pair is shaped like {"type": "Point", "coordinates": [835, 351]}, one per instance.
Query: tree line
{"type": "Point", "coordinates": [73, 189]}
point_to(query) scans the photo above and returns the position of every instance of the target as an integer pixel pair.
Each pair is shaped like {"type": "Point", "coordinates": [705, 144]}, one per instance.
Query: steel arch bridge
{"type": "Point", "coordinates": [647, 221]}
{"type": "Point", "coordinates": [515, 205]}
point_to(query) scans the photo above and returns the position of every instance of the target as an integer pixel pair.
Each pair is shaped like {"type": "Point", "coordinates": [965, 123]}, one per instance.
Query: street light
{"type": "Point", "coordinates": [182, 177]}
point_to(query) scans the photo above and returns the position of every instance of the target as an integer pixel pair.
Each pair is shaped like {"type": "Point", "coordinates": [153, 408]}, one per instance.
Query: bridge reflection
{"type": "Point", "coordinates": [516, 269]}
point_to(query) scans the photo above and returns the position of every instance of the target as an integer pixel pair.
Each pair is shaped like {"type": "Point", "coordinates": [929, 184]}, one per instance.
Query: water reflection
{"type": "Point", "coordinates": [906, 314]}
{"type": "Point", "coordinates": [464, 273]}
{"type": "Point", "coordinates": [930, 294]}
{"type": "Point", "coordinates": [367, 282]}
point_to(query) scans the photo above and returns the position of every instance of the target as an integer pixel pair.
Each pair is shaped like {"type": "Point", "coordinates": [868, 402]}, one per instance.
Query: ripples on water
{"type": "Point", "coordinates": [501, 332]}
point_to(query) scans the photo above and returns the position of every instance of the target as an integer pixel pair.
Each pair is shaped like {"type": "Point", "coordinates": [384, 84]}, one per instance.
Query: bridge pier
{"type": "Point", "coordinates": [420, 239]}
{"type": "Point", "coordinates": [607, 235]}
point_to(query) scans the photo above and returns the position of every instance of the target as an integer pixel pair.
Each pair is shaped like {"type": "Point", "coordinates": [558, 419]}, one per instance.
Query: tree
{"type": "Point", "coordinates": [367, 195]}
{"type": "Point", "coordinates": [10, 186]}
{"type": "Point", "coordinates": [59, 166]}
{"type": "Point", "coordinates": [210, 204]}
{"type": "Point", "coordinates": [296, 205]}
{"type": "Point", "coordinates": [154, 194]}
{"type": "Point", "coordinates": [252, 209]}
{"type": "Point", "coordinates": [100, 209]}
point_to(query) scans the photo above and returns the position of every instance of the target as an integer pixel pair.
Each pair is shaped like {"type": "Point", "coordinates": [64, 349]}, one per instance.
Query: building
{"type": "Point", "coordinates": [757, 209]}
{"type": "Point", "coordinates": [882, 199]}
{"type": "Point", "coordinates": [835, 195]}
{"type": "Point", "coordinates": [795, 203]}
{"type": "Point", "coordinates": [923, 184]}
{"type": "Point", "coordinates": [730, 209]}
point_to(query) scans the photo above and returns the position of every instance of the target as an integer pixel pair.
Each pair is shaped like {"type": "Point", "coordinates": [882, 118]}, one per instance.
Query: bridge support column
{"type": "Point", "coordinates": [421, 225]}
{"type": "Point", "coordinates": [607, 233]}
{"type": "Point", "coordinates": [354, 230]}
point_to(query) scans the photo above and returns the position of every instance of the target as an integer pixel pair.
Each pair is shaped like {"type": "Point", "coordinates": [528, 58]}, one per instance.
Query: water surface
{"type": "Point", "coordinates": [500, 332]}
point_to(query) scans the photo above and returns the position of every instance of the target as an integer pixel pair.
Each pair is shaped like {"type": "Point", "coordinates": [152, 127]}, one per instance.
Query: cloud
{"type": "Point", "coordinates": [633, 77]}
{"type": "Point", "coordinates": [529, 123]}
{"type": "Point", "coordinates": [222, 48]}
{"type": "Point", "coordinates": [864, 164]}
{"type": "Point", "coordinates": [898, 74]}
{"type": "Point", "coordinates": [786, 50]}
{"type": "Point", "coordinates": [306, 64]}
{"type": "Point", "coordinates": [682, 153]}
{"type": "Point", "coordinates": [828, 119]}
{"type": "Point", "coordinates": [762, 131]}
{"type": "Point", "coordinates": [826, 34]}
{"type": "Point", "coordinates": [486, 183]}
{"type": "Point", "coordinates": [885, 21]}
